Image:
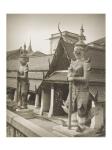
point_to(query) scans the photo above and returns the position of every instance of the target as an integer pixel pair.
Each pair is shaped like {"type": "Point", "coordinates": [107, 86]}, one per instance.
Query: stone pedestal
{"type": "Point", "coordinates": [26, 113]}
{"type": "Point", "coordinates": [73, 133]}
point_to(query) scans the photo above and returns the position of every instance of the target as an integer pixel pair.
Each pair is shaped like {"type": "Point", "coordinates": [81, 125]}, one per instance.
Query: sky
{"type": "Point", "coordinates": [39, 27]}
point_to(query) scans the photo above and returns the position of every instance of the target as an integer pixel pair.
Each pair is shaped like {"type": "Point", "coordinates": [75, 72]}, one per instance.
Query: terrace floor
{"type": "Point", "coordinates": [55, 126]}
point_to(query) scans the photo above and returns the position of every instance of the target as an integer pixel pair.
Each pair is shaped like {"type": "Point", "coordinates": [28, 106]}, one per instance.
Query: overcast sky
{"type": "Point", "coordinates": [38, 27]}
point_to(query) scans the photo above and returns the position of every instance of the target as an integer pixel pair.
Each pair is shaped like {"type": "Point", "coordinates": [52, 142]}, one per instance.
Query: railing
{"type": "Point", "coordinates": [17, 126]}
{"type": "Point", "coordinates": [13, 132]}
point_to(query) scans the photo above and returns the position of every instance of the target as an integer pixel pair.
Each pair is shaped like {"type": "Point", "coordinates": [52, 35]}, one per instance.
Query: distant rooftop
{"type": "Point", "coordinates": [64, 33]}
{"type": "Point", "coordinates": [100, 43]}
{"type": "Point", "coordinates": [15, 54]}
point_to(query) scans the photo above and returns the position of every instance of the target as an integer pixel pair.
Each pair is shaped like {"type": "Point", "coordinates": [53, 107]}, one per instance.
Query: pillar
{"type": "Point", "coordinates": [99, 116]}
{"type": "Point", "coordinates": [45, 100]}
{"type": "Point", "coordinates": [51, 102]}
{"type": "Point", "coordinates": [37, 100]}
{"type": "Point", "coordinates": [15, 95]}
{"type": "Point", "coordinates": [42, 102]}
{"type": "Point", "coordinates": [97, 121]}
{"type": "Point", "coordinates": [93, 119]}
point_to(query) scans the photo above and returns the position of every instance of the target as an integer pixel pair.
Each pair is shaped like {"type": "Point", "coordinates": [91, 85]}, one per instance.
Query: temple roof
{"type": "Point", "coordinates": [38, 67]}
{"type": "Point", "coordinates": [51, 64]}
{"type": "Point", "coordinates": [100, 43]}
{"type": "Point", "coordinates": [15, 54]}
{"type": "Point", "coordinates": [35, 63]}
{"type": "Point", "coordinates": [64, 53]}
{"type": "Point", "coordinates": [61, 77]}
{"type": "Point", "coordinates": [96, 82]}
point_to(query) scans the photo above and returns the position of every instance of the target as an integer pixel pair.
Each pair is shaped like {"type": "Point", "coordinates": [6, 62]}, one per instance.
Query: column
{"type": "Point", "coordinates": [51, 102]}
{"type": "Point", "coordinates": [42, 102]}
{"type": "Point", "coordinates": [37, 100]}
{"type": "Point", "coordinates": [99, 116]}
{"type": "Point", "coordinates": [93, 119]}
{"type": "Point", "coordinates": [15, 95]}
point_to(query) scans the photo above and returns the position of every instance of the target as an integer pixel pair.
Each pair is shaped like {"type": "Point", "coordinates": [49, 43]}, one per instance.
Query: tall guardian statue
{"type": "Point", "coordinates": [22, 81]}
{"type": "Point", "coordinates": [78, 74]}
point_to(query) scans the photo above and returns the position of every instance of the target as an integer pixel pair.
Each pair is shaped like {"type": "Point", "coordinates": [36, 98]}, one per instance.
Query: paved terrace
{"type": "Point", "coordinates": [29, 124]}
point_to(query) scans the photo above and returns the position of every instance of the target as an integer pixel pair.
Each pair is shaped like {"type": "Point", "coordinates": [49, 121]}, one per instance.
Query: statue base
{"type": "Point", "coordinates": [87, 132]}
{"type": "Point", "coordinates": [26, 113]}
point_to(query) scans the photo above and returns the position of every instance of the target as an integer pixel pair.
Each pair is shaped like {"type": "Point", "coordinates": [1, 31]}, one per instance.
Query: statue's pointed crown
{"type": "Point", "coordinates": [81, 38]}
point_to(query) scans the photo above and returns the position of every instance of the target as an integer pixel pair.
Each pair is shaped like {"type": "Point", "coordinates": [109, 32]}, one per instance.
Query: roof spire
{"type": "Point", "coordinates": [24, 50]}
{"type": "Point", "coordinates": [81, 38]}
{"type": "Point", "coordinates": [24, 46]}
{"type": "Point", "coordinates": [59, 29]}
{"type": "Point", "coordinates": [30, 47]}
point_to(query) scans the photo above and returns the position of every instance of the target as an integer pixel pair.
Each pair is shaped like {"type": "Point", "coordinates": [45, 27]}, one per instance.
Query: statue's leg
{"type": "Point", "coordinates": [19, 99]}
{"type": "Point", "coordinates": [83, 111]}
{"type": "Point", "coordinates": [19, 102]}
{"type": "Point", "coordinates": [24, 93]}
{"type": "Point", "coordinates": [24, 100]}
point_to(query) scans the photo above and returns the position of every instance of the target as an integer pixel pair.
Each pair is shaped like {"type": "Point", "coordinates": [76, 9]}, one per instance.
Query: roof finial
{"type": "Point", "coordinates": [24, 50]}
{"type": "Point", "coordinates": [81, 38]}
{"type": "Point", "coordinates": [82, 30]}
{"type": "Point", "coordinates": [30, 46]}
{"type": "Point", "coordinates": [59, 29]}
{"type": "Point", "coordinates": [24, 46]}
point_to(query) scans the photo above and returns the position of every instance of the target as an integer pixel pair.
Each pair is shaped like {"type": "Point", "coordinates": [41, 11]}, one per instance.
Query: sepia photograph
{"type": "Point", "coordinates": [55, 69]}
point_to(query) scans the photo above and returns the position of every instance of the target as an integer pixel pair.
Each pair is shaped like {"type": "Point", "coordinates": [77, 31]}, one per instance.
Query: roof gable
{"type": "Point", "coordinates": [62, 56]}
{"type": "Point", "coordinates": [64, 53]}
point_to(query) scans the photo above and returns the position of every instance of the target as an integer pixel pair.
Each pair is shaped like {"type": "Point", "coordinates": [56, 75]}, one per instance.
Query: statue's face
{"type": "Point", "coordinates": [78, 53]}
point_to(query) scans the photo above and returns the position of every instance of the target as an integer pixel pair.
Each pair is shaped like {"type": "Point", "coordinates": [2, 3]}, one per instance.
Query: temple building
{"type": "Point", "coordinates": [68, 36]}
{"type": "Point", "coordinates": [55, 85]}
{"type": "Point", "coordinates": [48, 75]}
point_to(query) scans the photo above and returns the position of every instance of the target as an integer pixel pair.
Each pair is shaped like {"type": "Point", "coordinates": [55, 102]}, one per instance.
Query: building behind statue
{"type": "Point", "coordinates": [48, 75]}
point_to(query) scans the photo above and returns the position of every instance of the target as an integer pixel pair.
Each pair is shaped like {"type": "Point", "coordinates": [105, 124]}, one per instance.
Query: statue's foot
{"type": "Point", "coordinates": [84, 127]}
{"type": "Point", "coordinates": [79, 129]}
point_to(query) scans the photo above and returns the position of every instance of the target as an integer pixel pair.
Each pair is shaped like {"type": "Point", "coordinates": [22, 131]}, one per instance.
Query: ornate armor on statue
{"type": "Point", "coordinates": [78, 74]}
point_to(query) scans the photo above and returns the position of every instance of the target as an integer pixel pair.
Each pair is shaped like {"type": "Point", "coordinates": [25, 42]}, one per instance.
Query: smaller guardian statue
{"type": "Point", "coordinates": [22, 81]}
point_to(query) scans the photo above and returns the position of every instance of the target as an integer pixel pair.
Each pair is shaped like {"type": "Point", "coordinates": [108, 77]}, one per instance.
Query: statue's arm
{"type": "Point", "coordinates": [84, 77]}
{"type": "Point", "coordinates": [25, 75]}
{"type": "Point", "coordinates": [70, 72]}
